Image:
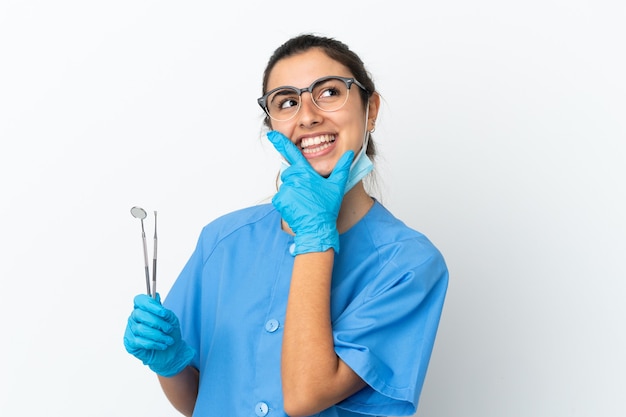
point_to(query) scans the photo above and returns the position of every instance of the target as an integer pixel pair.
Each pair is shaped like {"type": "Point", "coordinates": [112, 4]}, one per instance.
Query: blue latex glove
{"type": "Point", "coordinates": [308, 202]}
{"type": "Point", "coordinates": [153, 336]}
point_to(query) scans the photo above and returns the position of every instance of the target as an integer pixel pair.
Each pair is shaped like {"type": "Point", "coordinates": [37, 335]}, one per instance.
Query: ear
{"type": "Point", "coordinates": [374, 106]}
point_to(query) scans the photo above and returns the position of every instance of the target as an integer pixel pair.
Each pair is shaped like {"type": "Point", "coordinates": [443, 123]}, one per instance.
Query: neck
{"type": "Point", "coordinates": [356, 203]}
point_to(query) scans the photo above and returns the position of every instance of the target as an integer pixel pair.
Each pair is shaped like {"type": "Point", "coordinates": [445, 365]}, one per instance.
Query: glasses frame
{"type": "Point", "coordinates": [347, 80]}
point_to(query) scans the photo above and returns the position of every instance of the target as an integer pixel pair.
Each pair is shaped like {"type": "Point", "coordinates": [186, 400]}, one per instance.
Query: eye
{"type": "Point", "coordinates": [285, 99]}
{"type": "Point", "coordinates": [287, 103]}
{"type": "Point", "coordinates": [329, 90]}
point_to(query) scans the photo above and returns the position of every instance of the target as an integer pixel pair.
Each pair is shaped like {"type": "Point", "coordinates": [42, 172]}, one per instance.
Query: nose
{"type": "Point", "coordinates": [309, 114]}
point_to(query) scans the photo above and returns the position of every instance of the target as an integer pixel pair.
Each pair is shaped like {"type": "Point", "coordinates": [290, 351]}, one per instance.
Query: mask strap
{"type": "Point", "coordinates": [366, 139]}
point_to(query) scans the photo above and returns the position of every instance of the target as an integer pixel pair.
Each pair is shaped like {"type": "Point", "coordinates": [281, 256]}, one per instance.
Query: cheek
{"type": "Point", "coordinates": [355, 130]}
{"type": "Point", "coordinates": [355, 117]}
{"type": "Point", "coordinates": [284, 128]}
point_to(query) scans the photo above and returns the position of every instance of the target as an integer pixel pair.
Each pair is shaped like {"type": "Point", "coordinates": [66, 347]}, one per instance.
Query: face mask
{"type": "Point", "coordinates": [361, 166]}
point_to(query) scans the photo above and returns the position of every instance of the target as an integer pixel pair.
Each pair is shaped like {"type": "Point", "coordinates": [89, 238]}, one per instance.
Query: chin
{"type": "Point", "coordinates": [324, 172]}
{"type": "Point", "coordinates": [324, 168]}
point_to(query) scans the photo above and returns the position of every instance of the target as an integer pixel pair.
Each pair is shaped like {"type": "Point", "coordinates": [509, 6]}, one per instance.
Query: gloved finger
{"type": "Point", "coordinates": [134, 345]}
{"type": "Point", "coordinates": [342, 168]}
{"type": "Point", "coordinates": [298, 175]}
{"type": "Point", "coordinates": [286, 148]}
{"type": "Point", "coordinates": [146, 303]}
{"type": "Point", "coordinates": [142, 336]}
{"type": "Point", "coordinates": [139, 343]}
{"type": "Point", "coordinates": [150, 319]}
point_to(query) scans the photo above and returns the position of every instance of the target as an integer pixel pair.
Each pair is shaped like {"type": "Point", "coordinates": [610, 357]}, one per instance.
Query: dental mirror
{"type": "Point", "coordinates": [138, 213]}
{"type": "Point", "coordinates": [141, 214]}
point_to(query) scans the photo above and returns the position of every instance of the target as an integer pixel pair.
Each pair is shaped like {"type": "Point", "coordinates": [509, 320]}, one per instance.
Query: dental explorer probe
{"type": "Point", "coordinates": [154, 258]}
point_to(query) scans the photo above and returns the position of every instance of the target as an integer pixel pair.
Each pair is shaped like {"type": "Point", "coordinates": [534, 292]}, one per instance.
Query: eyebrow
{"type": "Point", "coordinates": [284, 91]}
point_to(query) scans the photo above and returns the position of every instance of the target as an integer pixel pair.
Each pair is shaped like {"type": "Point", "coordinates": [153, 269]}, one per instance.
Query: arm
{"type": "Point", "coordinates": [314, 378]}
{"type": "Point", "coordinates": [182, 390]}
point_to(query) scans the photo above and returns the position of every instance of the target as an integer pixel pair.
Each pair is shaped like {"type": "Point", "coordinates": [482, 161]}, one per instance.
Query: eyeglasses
{"type": "Point", "coordinates": [327, 93]}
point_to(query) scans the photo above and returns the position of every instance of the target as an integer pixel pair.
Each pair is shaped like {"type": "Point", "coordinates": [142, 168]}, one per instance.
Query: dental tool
{"type": "Point", "coordinates": [154, 257]}
{"type": "Point", "coordinates": [141, 214]}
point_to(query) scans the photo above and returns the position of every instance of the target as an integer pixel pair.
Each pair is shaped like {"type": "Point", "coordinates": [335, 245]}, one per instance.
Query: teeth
{"type": "Point", "coordinates": [319, 148]}
{"type": "Point", "coordinates": [323, 139]}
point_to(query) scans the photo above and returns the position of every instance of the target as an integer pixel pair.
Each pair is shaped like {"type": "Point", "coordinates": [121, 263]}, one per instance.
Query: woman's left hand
{"type": "Point", "coordinates": [308, 202]}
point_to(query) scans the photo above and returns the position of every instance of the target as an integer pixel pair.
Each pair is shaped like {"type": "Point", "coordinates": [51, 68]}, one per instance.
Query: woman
{"type": "Point", "coordinates": [321, 303]}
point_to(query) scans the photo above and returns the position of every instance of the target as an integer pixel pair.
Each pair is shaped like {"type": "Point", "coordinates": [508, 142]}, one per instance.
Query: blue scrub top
{"type": "Point", "coordinates": [388, 289]}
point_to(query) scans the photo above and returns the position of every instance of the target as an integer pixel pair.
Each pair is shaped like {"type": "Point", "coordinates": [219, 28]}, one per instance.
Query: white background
{"type": "Point", "coordinates": [502, 137]}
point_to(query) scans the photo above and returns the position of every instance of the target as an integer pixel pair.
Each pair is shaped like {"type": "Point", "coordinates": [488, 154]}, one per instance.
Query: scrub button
{"type": "Point", "coordinates": [261, 409]}
{"type": "Point", "coordinates": [292, 248]}
{"type": "Point", "coordinates": [272, 325]}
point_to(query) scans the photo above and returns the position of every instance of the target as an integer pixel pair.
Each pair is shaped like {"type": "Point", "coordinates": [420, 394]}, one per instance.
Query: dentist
{"type": "Point", "coordinates": [322, 303]}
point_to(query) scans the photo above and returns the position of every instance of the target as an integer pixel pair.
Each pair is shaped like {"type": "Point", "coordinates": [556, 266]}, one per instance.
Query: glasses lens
{"type": "Point", "coordinates": [283, 103]}
{"type": "Point", "coordinates": [330, 94]}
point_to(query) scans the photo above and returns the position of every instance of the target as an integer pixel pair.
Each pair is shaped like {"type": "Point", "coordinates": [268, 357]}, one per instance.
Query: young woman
{"type": "Point", "coordinates": [321, 303]}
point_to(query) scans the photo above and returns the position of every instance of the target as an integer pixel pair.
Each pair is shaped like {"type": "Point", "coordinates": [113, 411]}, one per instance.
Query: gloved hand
{"type": "Point", "coordinates": [308, 202]}
{"type": "Point", "coordinates": [153, 336]}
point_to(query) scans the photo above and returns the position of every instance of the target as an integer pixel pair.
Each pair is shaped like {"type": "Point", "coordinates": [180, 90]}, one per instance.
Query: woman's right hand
{"type": "Point", "coordinates": [308, 202]}
{"type": "Point", "coordinates": [153, 336]}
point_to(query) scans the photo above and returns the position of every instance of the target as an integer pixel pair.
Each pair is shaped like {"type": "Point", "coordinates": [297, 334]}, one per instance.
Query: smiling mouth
{"type": "Point", "coordinates": [316, 144]}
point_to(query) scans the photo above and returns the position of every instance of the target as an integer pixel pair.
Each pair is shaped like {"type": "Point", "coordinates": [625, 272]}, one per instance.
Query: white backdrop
{"type": "Point", "coordinates": [502, 137]}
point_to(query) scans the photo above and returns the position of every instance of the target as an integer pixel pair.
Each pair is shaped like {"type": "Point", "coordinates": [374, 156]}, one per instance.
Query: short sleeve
{"type": "Point", "coordinates": [387, 334]}
{"type": "Point", "coordinates": [184, 299]}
